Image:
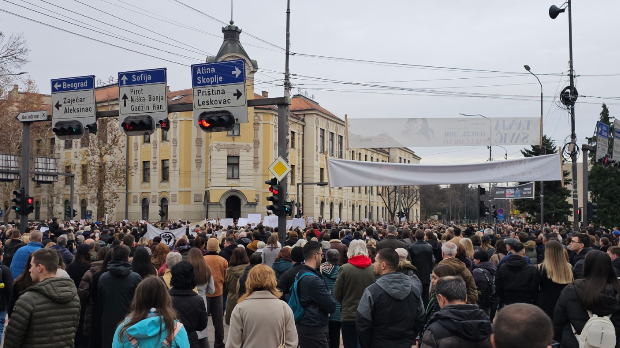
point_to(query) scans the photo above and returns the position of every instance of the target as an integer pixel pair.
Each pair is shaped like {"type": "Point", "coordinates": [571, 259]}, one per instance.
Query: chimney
{"type": "Point", "coordinates": [265, 94]}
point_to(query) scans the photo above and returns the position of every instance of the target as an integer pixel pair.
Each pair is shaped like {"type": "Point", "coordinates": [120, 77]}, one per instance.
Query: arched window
{"type": "Point", "coordinates": [68, 210]}
{"type": "Point", "coordinates": [353, 212]}
{"type": "Point", "coordinates": [331, 211]}
{"type": "Point", "coordinates": [340, 212]}
{"type": "Point", "coordinates": [37, 210]}
{"type": "Point", "coordinates": [145, 208]}
{"type": "Point", "coordinates": [83, 206]}
{"type": "Point", "coordinates": [322, 209]}
{"type": "Point", "coordinates": [164, 209]}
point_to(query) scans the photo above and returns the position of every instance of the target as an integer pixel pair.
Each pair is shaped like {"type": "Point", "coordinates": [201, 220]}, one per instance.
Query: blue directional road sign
{"type": "Point", "coordinates": [73, 99]}
{"type": "Point", "coordinates": [143, 92]}
{"type": "Point", "coordinates": [71, 84]}
{"type": "Point", "coordinates": [602, 136]}
{"type": "Point", "coordinates": [220, 86]}
{"type": "Point", "coordinates": [500, 217]}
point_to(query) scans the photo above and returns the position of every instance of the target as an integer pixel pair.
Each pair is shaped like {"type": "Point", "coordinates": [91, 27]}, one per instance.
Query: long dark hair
{"type": "Point", "coordinates": [141, 263]}
{"type": "Point", "coordinates": [106, 259]}
{"type": "Point", "coordinates": [238, 257]}
{"type": "Point", "coordinates": [151, 293]}
{"type": "Point", "coordinates": [598, 277]}
{"type": "Point", "coordinates": [24, 280]}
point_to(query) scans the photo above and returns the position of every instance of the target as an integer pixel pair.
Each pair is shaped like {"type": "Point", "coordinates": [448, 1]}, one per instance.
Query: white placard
{"type": "Point", "coordinates": [242, 222]}
{"type": "Point", "coordinates": [298, 222]}
{"type": "Point", "coordinates": [226, 222]}
{"type": "Point", "coordinates": [254, 218]}
{"type": "Point", "coordinates": [289, 224]}
{"type": "Point", "coordinates": [310, 219]}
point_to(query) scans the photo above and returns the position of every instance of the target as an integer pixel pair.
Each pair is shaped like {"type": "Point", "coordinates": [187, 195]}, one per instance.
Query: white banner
{"type": "Point", "coordinates": [426, 132]}
{"type": "Point", "coordinates": [344, 173]}
{"type": "Point", "coordinates": [167, 237]}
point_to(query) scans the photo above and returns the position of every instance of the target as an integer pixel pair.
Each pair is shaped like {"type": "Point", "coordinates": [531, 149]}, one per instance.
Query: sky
{"type": "Point", "coordinates": [467, 56]}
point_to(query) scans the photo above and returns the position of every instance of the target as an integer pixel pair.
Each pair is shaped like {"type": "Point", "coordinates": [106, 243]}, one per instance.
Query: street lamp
{"type": "Point", "coordinates": [554, 11]}
{"type": "Point", "coordinates": [542, 147]}
{"type": "Point", "coordinates": [298, 203]}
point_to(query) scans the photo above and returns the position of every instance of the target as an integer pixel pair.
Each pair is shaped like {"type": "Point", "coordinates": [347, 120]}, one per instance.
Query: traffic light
{"type": "Point", "coordinates": [287, 209]}
{"type": "Point", "coordinates": [92, 128]}
{"type": "Point", "coordinates": [400, 214]}
{"type": "Point", "coordinates": [74, 213]}
{"type": "Point", "coordinates": [275, 189]}
{"type": "Point", "coordinates": [606, 161]}
{"type": "Point", "coordinates": [164, 124]}
{"type": "Point", "coordinates": [216, 121]}
{"type": "Point", "coordinates": [138, 125]}
{"type": "Point", "coordinates": [18, 201]}
{"type": "Point", "coordinates": [482, 191]}
{"type": "Point", "coordinates": [579, 214]}
{"type": "Point", "coordinates": [495, 213]}
{"type": "Point", "coordinates": [161, 211]}
{"type": "Point", "coordinates": [67, 212]}
{"type": "Point", "coordinates": [592, 212]}
{"type": "Point", "coordinates": [482, 209]}
{"type": "Point", "coordinates": [67, 130]}
{"type": "Point", "coordinates": [29, 205]}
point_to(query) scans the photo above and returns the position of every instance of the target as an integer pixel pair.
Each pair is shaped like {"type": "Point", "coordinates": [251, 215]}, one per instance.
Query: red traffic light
{"type": "Point", "coordinates": [126, 126]}
{"type": "Point", "coordinates": [273, 190]}
{"type": "Point", "coordinates": [30, 200]}
{"type": "Point", "coordinates": [204, 123]}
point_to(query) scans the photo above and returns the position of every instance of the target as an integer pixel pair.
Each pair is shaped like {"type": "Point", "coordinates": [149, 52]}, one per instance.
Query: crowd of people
{"type": "Point", "coordinates": [356, 284]}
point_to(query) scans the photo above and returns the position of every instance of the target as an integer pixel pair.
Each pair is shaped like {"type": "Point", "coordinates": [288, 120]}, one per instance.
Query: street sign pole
{"type": "Point", "coordinates": [282, 121]}
{"type": "Point", "coordinates": [23, 223]}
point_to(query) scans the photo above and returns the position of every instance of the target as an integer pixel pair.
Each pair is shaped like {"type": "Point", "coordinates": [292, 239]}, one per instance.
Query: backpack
{"type": "Point", "coordinates": [293, 301]}
{"type": "Point", "coordinates": [135, 344]}
{"type": "Point", "coordinates": [598, 332]}
{"type": "Point", "coordinates": [485, 297]}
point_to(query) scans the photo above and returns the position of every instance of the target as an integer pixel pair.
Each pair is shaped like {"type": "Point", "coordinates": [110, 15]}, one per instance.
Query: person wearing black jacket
{"type": "Point", "coordinates": [390, 240]}
{"type": "Point", "coordinates": [55, 228]}
{"type": "Point", "coordinates": [513, 281]}
{"type": "Point", "coordinates": [390, 312]}
{"type": "Point", "coordinates": [5, 292]}
{"type": "Point", "coordinates": [614, 254]}
{"type": "Point", "coordinates": [421, 254]}
{"type": "Point", "coordinates": [579, 247]}
{"type": "Point", "coordinates": [11, 247]}
{"type": "Point", "coordinates": [189, 306]}
{"type": "Point", "coordinates": [316, 300]}
{"type": "Point", "coordinates": [288, 278]}
{"type": "Point", "coordinates": [229, 246]}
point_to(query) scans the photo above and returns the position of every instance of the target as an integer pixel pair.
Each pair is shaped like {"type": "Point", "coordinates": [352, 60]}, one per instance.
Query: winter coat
{"type": "Point", "coordinates": [84, 292]}
{"type": "Point", "coordinates": [183, 250]}
{"type": "Point", "coordinates": [191, 311]}
{"type": "Point", "coordinates": [116, 290]}
{"type": "Point", "coordinates": [505, 258]}
{"type": "Point", "coordinates": [96, 313]}
{"type": "Point", "coordinates": [330, 274]}
{"type": "Point", "coordinates": [463, 272]}
{"type": "Point", "coordinates": [390, 242]}
{"type": "Point", "coordinates": [9, 250]}
{"type": "Point", "coordinates": [67, 256]}
{"type": "Point", "coordinates": [241, 289]}
{"type": "Point", "coordinates": [390, 313]}
{"type": "Point", "coordinates": [540, 253]}
{"type": "Point", "coordinates": [76, 271]}
{"type": "Point", "coordinates": [281, 266]}
{"type": "Point", "coordinates": [248, 329]}
{"type": "Point", "coordinates": [218, 267]}
{"type": "Point", "coordinates": [497, 257]}
{"type": "Point", "coordinates": [436, 245]}
{"type": "Point", "coordinates": [147, 333]}
{"type": "Point", "coordinates": [21, 257]}
{"type": "Point", "coordinates": [269, 255]}
{"type": "Point", "coordinates": [530, 251]}
{"type": "Point", "coordinates": [421, 255]}
{"type": "Point", "coordinates": [461, 325]}
{"type": "Point", "coordinates": [467, 261]}
{"type": "Point", "coordinates": [232, 279]}
{"type": "Point", "coordinates": [287, 279]}
{"type": "Point", "coordinates": [316, 300]}
{"type": "Point", "coordinates": [342, 249]}
{"type": "Point", "coordinates": [490, 251]}
{"type": "Point", "coordinates": [513, 282]}
{"type": "Point", "coordinates": [227, 252]}
{"type": "Point", "coordinates": [405, 267]}
{"type": "Point", "coordinates": [616, 264]}
{"type": "Point", "coordinates": [45, 315]}
{"type": "Point", "coordinates": [291, 241]}
{"type": "Point", "coordinates": [480, 274]}
{"type": "Point", "coordinates": [578, 261]}
{"type": "Point", "coordinates": [352, 279]}
{"type": "Point", "coordinates": [5, 293]}
{"type": "Point", "coordinates": [570, 311]}
{"type": "Point", "coordinates": [546, 292]}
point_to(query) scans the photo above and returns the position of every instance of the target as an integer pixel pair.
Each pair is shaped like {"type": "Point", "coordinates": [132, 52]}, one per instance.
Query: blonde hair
{"type": "Point", "coordinates": [558, 270]}
{"type": "Point", "coordinates": [469, 247]}
{"type": "Point", "coordinates": [144, 241]}
{"type": "Point", "coordinates": [26, 238]}
{"type": "Point", "coordinates": [261, 277]}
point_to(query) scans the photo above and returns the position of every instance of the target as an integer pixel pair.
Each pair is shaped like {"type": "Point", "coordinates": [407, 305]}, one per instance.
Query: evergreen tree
{"type": "Point", "coordinates": [604, 183]}
{"type": "Point", "coordinates": [557, 207]}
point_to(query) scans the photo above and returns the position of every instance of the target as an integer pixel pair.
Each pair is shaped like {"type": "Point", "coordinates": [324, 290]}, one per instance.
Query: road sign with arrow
{"type": "Point", "coordinates": [143, 92]}
{"type": "Point", "coordinates": [220, 86]}
{"type": "Point", "coordinates": [73, 99]}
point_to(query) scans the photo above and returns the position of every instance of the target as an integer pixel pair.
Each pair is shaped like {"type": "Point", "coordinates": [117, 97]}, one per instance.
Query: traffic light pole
{"type": "Point", "coordinates": [584, 210]}
{"type": "Point", "coordinates": [478, 190]}
{"type": "Point", "coordinates": [23, 223]}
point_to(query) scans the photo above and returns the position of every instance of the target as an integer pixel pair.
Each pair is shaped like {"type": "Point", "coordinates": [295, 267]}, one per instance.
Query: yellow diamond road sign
{"type": "Point", "coordinates": [279, 168]}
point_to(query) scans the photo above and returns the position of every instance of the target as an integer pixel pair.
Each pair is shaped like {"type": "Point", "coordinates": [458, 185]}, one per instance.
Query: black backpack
{"type": "Point", "coordinates": [485, 296]}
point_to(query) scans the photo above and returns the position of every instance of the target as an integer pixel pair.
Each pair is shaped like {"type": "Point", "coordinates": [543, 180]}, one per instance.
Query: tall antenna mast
{"type": "Point", "coordinates": [231, 12]}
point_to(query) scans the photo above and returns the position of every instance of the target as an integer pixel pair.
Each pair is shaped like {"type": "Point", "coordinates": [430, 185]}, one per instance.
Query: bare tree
{"type": "Point", "coordinates": [409, 196]}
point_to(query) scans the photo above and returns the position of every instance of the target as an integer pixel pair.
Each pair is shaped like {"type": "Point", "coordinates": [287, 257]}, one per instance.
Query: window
{"type": "Point", "coordinates": [165, 170]}
{"type": "Point", "coordinates": [68, 144]}
{"type": "Point", "coordinates": [321, 174]}
{"type": "Point", "coordinates": [292, 140]}
{"type": "Point", "coordinates": [322, 141]}
{"type": "Point", "coordinates": [365, 157]}
{"type": "Point", "coordinates": [85, 140]}
{"type": "Point", "coordinates": [235, 131]}
{"type": "Point", "coordinates": [147, 138]}
{"type": "Point", "coordinates": [84, 174]}
{"type": "Point", "coordinates": [164, 135]}
{"type": "Point", "coordinates": [52, 145]}
{"type": "Point", "coordinates": [331, 143]}
{"type": "Point", "coordinates": [233, 167]}
{"type": "Point", "coordinates": [145, 208]}
{"type": "Point", "coordinates": [400, 160]}
{"type": "Point", "coordinates": [146, 171]}
{"type": "Point", "coordinates": [292, 175]}
{"type": "Point", "coordinates": [359, 156]}
{"type": "Point", "coordinates": [353, 155]}
{"type": "Point", "coordinates": [67, 178]}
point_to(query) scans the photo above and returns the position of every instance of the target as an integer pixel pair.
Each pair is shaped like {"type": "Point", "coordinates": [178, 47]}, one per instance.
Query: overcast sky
{"type": "Point", "coordinates": [498, 36]}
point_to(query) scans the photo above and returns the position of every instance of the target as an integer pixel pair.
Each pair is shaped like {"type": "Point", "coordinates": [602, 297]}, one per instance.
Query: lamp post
{"type": "Point", "coordinates": [298, 203]}
{"type": "Point", "coordinates": [570, 97]}
{"type": "Point", "coordinates": [489, 146]}
{"type": "Point", "coordinates": [542, 147]}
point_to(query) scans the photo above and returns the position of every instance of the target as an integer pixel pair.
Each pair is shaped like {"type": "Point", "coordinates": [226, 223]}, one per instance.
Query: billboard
{"type": "Point", "coordinates": [514, 192]}
{"type": "Point", "coordinates": [427, 132]}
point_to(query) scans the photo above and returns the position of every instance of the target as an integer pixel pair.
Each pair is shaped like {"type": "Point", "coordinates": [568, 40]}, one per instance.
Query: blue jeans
{"type": "Point", "coordinates": [349, 335]}
{"type": "Point", "coordinates": [2, 319]}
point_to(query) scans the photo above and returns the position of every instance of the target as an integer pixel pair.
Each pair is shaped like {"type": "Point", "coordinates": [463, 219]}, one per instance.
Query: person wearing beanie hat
{"type": "Point", "coordinates": [402, 254]}
{"type": "Point", "coordinates": [288, 278]}
{"type": "Point", "coordinates": [215, 301]}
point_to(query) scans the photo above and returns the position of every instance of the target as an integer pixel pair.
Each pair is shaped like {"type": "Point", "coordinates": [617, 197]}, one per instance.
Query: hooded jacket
{"type": "Point", "coordinates": [232, 280]}
{"type": "Point", "coordinates": [191, 311]}
{"type": "Point", "coordinates": [316, 301]}
{"type": "Point", "coordinates": [9, 250]}
{"type": "Point", "coordinates": [21, 257]}
{"type": "Point", "coordinates": [390, 313]}
{"type": "Point", "coordinates": [281, 266]}
{"type": "Point", "coordinates": [84, 292]}
{"type": "Point", "coordinates": [570, 311]}
{"type": "Point", "coordinates": [353, 278]}
{"type": "Point", "coordinates": [226, 252]}
{"type": "Point", "coordinates": [405, 267]}
{"type": "Point", "coordinates": [421, 254]}
{"type": "Point", "coordinates": [530, 251]}
{"type": "Point", "coordinates": [513, 282]}
{"type": "Point", "coordinates": [147, 332]}
{"type": "Point", "coordinates": [52, 304]}
{"type": "Point", "coordinates": [479, 275]}
{"type": "Point", "coordinates": [116, 290]}
{"type": "Point", "coordinates": [616, 264]}
{"type": "Point", "coordinates": [578, 261]}
{"type": "Point", "coordinates": [330, 274]}
{"type": "Point", "coordinates": [67, 256]}
{"type": "Point", "coordinates": [461, 325]}
{"type": "Point", "coordinates": [463, 272]}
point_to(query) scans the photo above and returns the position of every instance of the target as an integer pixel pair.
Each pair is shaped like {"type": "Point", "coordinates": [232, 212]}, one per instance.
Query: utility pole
{"type": "Point", "coordinates": [573, 136]}
{"type": "Point", "coordinates": [584, 200]}
{"type": "Point", "coordinates": [23, 222]}
{"type": "Point", "coordinates": [127, 175]}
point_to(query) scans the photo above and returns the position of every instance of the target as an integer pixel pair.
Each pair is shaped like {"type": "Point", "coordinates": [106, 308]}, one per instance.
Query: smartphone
{"type": "Point", "coordinates": [555, 344]}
